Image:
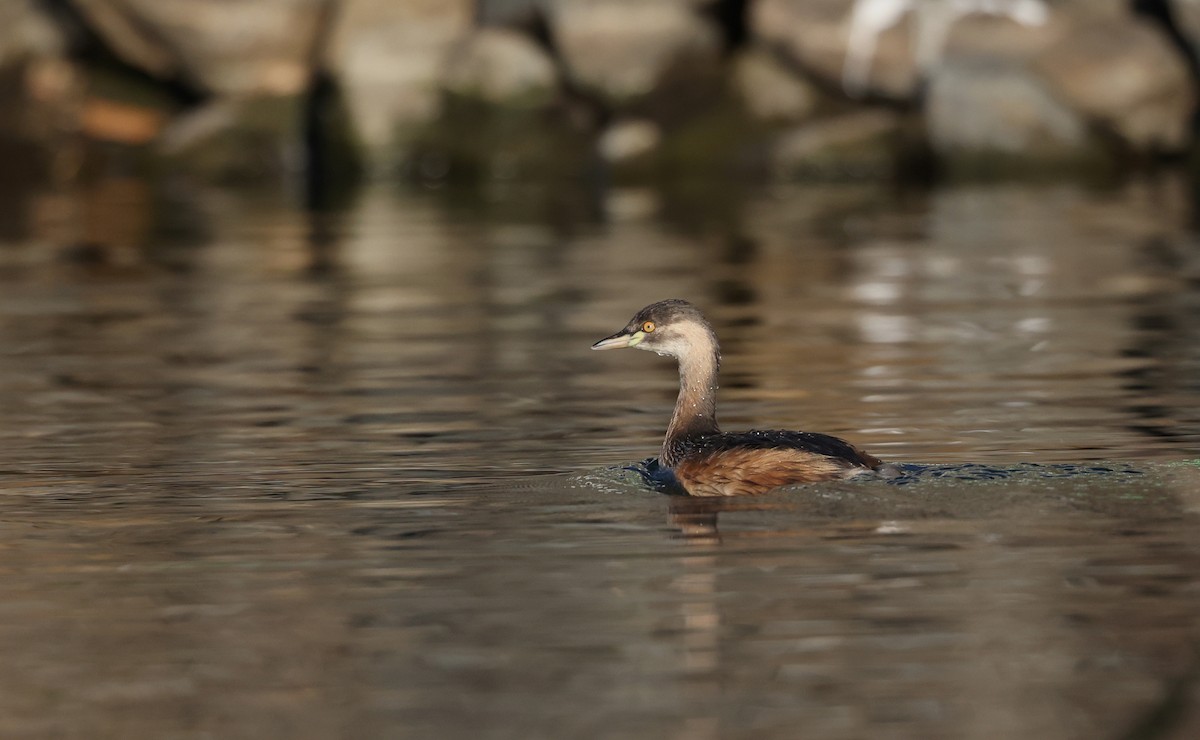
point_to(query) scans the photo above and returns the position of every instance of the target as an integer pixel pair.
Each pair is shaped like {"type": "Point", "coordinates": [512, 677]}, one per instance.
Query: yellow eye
{"type": "Point", "coordinates": [647, 326]}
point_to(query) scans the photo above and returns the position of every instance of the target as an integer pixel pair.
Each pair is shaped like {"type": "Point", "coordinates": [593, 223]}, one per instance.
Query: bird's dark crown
{"type": "Point", "coordinates": [665, 313]}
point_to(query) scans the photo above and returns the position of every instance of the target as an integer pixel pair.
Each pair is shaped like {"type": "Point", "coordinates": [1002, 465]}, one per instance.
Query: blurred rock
{"type": "Point", "coordinates": [474, 141]}
{"type": "Point", "coordinates": [628, 140]}
{"type": "Point", "coordinates": [1122, 75]}
{"type": "Point", "coordinates": [507, 12]}
{"type": "Point", "coordinates": [1002, 39]}
{"type": "Point", "coordinates": [245, 139]}
{"type": "Point", "coordinates": [26, 33]}
{"type": "Point", "coordinates": [1187, 17]}
{"type": "Point", "coordinates": [389, 57]}
{"type": "Point", "coordinates": [227, 48]}
{"type": "Point", "coordinates": [108, 120]}
{"type": "Point", "coordinates": [501, 67]}
{"type": "Point", "coordinates": [984, 107]}
{"type": "Point", "coordinates": [989, 120]}
{"type": "Point", "coordinates": [1013, 77]}
{"type": "Point", "coordinates": [624, 49]}
{"type": "Point", "coordinates": [770, 91]}
{"type": "Point", "coordinates": [38, 87]}
{"type": "Point", "coordinates": [851, 145]}
{"type": "Point", "coordinates": [40, 97]}
{"type": "Point", "coordinates": [1097, 62]}
{"type": "Point", "coordinates": [123, 32]}
{"type": "Point", "coordinates": [884, 48]}
{"type": "Point", "coordinates": [1107, 67]}
{"type": "Point", "coordinates": [815, 35]}
{"type": "Point", "coordinates": [880, 48]}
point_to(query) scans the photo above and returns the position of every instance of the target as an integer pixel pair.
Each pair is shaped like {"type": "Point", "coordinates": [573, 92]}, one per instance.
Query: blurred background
{"type": "Point", "coordinates": [433, 91]}
{"type": "Point", "coordinates": [300, 435]}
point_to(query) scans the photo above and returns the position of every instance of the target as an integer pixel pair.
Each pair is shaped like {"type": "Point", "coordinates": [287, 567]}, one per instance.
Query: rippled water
{"type": "Point", "coordinates": [268, 476]}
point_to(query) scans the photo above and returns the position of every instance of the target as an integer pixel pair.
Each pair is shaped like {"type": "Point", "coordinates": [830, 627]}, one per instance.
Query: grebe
{"type": "Point", "coordinates": [706, 461]}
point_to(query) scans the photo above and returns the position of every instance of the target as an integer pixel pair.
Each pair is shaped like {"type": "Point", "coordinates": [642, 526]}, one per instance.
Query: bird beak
{"type": "Point", "coordinates": [621, 339]}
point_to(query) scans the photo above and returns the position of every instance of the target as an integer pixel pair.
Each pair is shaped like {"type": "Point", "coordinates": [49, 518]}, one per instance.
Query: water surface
{"type": "Point", "coordinates": [263, 474]}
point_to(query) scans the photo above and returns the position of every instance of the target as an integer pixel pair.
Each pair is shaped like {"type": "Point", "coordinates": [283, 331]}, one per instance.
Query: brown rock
{"type": "Point", "coordinates": [389, 56]}
{"type": "Point", "coordinates": [770, 91]}
{"type": "Point", "coordinates": [815, 35]}
{"type": "Point", "coordinates": [1123, 75]}
{"type": "Point", "coordinates": [622, 49]}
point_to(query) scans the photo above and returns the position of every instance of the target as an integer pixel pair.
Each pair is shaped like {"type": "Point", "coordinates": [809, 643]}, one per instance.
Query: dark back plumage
{"type": "Point", "coordinates": [755, 439]}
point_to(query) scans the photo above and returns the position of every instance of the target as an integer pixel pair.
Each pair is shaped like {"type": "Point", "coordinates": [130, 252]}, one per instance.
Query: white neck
{"type": "Point", "coordinates": [695, 346]}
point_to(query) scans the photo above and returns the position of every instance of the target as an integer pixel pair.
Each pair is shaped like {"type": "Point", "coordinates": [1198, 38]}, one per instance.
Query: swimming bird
{"type": "Point", "coordinates": [705, 461]}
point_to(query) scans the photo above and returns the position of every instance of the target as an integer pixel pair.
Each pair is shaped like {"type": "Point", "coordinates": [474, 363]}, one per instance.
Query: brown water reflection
{"type": "Point", "coordinates": [265, 475]}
